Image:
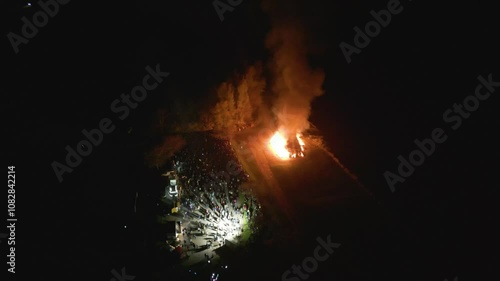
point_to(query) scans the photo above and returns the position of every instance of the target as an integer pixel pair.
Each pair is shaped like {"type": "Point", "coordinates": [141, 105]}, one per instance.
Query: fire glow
{"type": "Point", "coordinates": [286, 149]}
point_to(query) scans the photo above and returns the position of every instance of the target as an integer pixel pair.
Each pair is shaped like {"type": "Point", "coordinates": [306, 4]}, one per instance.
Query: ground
{"type": "Point", "coordinates": [302, 199]}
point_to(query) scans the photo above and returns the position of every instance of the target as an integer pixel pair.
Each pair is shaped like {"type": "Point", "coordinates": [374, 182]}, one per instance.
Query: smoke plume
{"type": "Point", "coordinates": [294, 84]}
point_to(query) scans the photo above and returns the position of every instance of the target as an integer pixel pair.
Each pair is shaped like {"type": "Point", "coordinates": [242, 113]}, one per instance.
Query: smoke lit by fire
{"type": "Point", "coordinates": [294, 83]}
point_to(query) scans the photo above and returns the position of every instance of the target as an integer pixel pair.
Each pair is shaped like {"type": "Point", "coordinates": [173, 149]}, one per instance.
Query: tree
{"type": "Point", "coordinates": [161, 153]}
{"type": "Point", "coordinates": [256, 84]}
{"type": "Point", "coordinates": [243, 106]}
{"type": "Point", "coordinates": [160, 122]}
{"type": "Point", "coordinates": [238, 103]}
{"type": "Point", "coordinates": [224, 111]}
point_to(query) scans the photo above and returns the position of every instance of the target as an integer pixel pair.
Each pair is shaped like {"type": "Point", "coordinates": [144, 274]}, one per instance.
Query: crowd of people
{"type": "Point", "coordinates": [212, 199]}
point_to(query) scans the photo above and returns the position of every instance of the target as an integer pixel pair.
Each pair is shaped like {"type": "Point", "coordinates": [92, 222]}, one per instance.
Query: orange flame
{"type": "Point", "coordinates": [278, 145]}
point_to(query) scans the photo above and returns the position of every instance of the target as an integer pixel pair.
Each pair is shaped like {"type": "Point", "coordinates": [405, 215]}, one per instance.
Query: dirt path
{"type": "Point", "coordinates": [269, 192]}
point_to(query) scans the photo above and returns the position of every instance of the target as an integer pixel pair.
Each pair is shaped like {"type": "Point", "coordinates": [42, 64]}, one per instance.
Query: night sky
{"type": "Point", "coordinates": [394, 91]}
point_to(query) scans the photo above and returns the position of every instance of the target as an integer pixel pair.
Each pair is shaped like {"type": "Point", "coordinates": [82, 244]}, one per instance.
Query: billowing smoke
{"type": "Point", "coordinates": [288, 78]}
{"type": "Point", "coordinates": [294, 83]}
